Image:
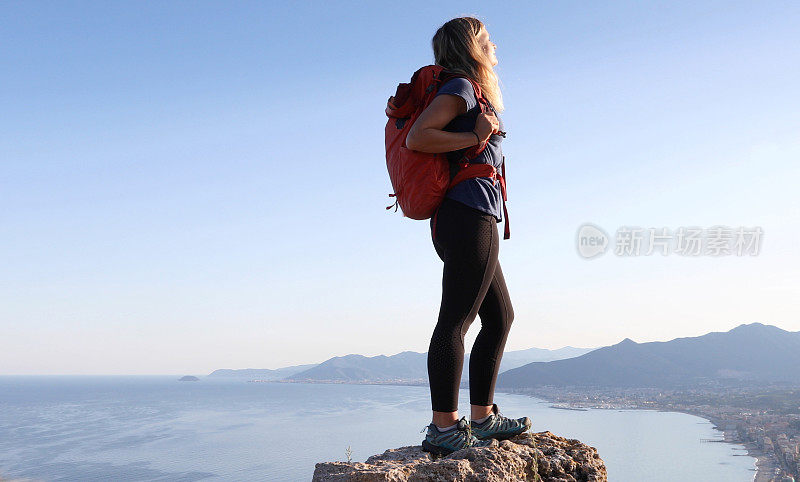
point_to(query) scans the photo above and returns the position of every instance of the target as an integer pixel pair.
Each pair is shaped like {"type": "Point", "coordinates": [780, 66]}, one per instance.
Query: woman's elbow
{"type": "Point", "coordinates": [412, 140]}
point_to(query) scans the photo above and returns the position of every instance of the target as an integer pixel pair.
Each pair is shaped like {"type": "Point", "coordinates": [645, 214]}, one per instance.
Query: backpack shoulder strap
{"type": "Point", "coordinates": [447, 75]}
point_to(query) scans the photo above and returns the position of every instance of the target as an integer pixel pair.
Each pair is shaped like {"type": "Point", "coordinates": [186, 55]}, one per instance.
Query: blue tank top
{"type": "Point", "coordinates": [480, 193]}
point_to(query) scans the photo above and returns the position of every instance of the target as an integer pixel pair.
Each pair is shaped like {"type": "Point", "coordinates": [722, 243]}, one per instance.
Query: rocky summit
{"type": "Point", "coordinates": [541, 456]}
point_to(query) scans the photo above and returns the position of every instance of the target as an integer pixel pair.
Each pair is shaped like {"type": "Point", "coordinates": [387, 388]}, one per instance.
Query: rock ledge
{"type": "Point", "coordinates": [541, 456]}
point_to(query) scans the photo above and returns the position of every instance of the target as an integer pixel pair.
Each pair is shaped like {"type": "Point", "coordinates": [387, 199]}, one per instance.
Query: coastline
{"type": "Point", "coordinates": [764, 465]}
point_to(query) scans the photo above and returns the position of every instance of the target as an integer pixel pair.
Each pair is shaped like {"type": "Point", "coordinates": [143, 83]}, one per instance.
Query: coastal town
{"type": "Point", "coordinates": [765, 418]}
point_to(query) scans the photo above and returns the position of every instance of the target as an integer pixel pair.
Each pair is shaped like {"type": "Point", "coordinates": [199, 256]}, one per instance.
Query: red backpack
{"type": "Point", "coordinates": [420, 180]}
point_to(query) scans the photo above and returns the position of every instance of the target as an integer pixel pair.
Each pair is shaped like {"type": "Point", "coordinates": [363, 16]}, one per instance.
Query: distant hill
{"type": "Point", "coordinates": [518, 358]}
{"type": "Point", "coordinates": [261, 373]}
{"type": "Point", "coordinates": [514, 359]}
{"type": "Point", "coordinates": [407, 365]}
{"type": "Point", "coordinates": [411, 365]}
{"type": "Point", "coordinates": [748, 353]}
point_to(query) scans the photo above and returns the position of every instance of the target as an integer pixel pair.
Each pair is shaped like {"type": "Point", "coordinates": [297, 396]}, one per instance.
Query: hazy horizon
{"type": "Point", "coordinates": [307, 363]}
{"type": "Point", "coordinates": [272, 368]}
{"type": "Point", "coordinates": [195, 186]}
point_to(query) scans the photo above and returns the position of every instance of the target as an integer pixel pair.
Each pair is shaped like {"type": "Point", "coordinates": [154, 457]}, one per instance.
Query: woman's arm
{"type": "Point", "coordinates": [426, 135]}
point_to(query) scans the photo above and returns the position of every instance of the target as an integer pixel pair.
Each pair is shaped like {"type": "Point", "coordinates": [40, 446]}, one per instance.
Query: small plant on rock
{"type": "Point", "coordinates": [348, 452]}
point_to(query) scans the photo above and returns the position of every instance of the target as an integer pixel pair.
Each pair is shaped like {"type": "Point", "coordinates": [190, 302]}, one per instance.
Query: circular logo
{"type": "Point", "coordinates": [591, 241]}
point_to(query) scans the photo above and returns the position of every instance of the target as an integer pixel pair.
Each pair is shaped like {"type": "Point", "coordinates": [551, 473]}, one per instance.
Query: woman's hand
{"type": "Point", "coordinates": [485, 125]}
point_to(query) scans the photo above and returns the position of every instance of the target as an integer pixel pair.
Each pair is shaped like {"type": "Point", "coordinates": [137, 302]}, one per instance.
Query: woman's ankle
{"type": "Point", "coordinates": [480, 411]}
{"type": "Point", "coordinates": [445, 419]}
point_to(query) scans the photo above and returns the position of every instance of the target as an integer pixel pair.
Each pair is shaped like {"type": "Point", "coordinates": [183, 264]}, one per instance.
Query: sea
{"type": "Point", "coordinates": [142, 428]}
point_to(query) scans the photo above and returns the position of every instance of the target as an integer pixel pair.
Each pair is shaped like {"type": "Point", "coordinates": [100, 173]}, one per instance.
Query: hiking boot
{"type": "Point", "coordinates": [500, 427]}
{"type": "Point", "coordinates": [447, 442]}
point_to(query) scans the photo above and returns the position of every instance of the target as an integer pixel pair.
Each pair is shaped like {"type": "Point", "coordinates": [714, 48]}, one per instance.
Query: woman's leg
{"type": "Point", "coordinates": [496, 314]}
{"type": "Point", "coordinates": [467, 241]}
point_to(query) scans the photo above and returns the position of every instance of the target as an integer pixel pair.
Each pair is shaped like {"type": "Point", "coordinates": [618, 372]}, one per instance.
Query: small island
{"type": "Point", "coordinates": [188, 378]}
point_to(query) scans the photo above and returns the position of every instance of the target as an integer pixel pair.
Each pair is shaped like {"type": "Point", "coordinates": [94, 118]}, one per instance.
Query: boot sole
{"type": "Point", "coordinates": [427, 447]}
{"type": "Point", "coordinates": [502, 437]}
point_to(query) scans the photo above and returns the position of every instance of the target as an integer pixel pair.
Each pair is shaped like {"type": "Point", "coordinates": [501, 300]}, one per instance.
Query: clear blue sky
{"type": "Point", "coordinates": [188, 186]}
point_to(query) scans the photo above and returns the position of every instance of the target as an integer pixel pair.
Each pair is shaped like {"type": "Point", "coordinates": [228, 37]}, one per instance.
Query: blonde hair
{"type": "Point", "coordinates": [456, 48]}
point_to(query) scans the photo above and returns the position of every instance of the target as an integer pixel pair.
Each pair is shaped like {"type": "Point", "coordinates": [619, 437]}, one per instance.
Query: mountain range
{"type": "Point", "coordinates": [260, 373]}
{"type": "Point", "coordinates": [749, 353]}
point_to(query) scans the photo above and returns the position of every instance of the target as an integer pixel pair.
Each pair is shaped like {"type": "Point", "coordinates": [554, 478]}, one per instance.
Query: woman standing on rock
{"type": "Point", "coordinates": [465, 236]}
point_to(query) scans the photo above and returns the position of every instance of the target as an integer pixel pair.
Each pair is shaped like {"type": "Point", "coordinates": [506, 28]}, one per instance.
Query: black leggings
{"type": "Point", "coordinates": [467, 240]}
